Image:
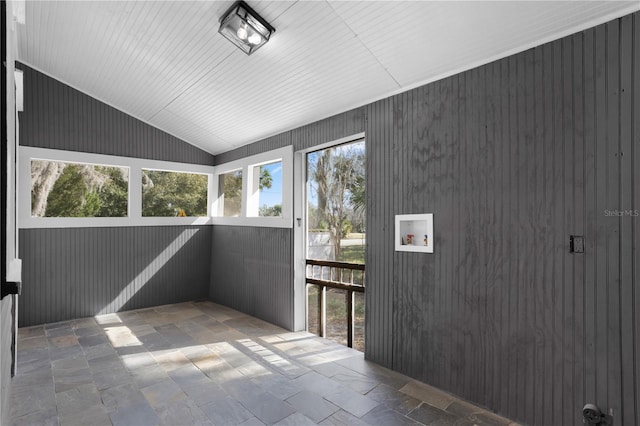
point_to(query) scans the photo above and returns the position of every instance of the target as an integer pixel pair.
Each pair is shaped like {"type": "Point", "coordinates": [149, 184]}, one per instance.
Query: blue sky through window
{"type": "Point", "coordinates": [272, 196]}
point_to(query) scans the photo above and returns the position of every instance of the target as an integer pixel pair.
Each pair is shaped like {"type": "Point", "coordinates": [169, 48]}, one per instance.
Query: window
{"type": "Point", "coordinates": [69, 189]}
{"type": "Point", "coordinates": [256, 190]}
{"type": "Point", "coordinates": [267, 190]}
{"type": "Point", "coordinates": [94, 190]}
{"type": "Point", "coordinates": [230, 193]}
{"type": "Point", "coordinates": [62, 189]}
{"type": "Point", "coordinates": [173, 194]}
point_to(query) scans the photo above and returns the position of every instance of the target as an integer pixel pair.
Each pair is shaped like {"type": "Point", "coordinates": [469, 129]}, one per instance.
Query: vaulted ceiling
{"type": "Point", "coordinates": [165, 63]}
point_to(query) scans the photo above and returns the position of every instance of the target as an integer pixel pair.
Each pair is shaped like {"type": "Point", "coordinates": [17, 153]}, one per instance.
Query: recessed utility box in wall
{"type": "Point", "coordinates": [414, 232]}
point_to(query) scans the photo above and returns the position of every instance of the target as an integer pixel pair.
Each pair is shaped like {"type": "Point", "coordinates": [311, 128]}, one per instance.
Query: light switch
{"type": "Point", "coordinates": [576, 244]}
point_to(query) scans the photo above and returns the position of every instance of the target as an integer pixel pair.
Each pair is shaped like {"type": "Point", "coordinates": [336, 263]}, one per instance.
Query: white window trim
{"type": "Point", "coordinates": [135, 165]}
{"type": "Point", "coordinates": [246, 164]}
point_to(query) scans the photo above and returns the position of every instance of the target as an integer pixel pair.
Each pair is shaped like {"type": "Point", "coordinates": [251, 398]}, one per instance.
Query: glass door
{"type": "Point", "coordinates": [336, 240]}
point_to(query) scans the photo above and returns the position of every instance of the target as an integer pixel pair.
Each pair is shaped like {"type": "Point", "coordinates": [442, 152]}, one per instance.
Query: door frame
{"type": "Point", "coordinates": [300, 226]}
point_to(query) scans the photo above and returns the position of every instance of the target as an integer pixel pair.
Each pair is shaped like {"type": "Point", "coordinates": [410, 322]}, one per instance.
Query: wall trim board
{"type": "Point", "coordinates": [8, 303]}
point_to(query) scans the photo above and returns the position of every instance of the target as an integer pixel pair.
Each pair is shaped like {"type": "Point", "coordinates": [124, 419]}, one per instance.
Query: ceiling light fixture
{"type": "Point", "coordinates": [243, 27]}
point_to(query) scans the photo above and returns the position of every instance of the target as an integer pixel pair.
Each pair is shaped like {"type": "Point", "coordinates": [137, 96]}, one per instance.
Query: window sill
{"type": "Point", "coordinates": [259, 222]}
{"type": "Point", "coordinates": [113, 222]}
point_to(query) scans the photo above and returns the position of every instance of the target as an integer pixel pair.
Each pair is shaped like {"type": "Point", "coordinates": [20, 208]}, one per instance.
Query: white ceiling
{"type": "Point", "coordinates": [165, 63]}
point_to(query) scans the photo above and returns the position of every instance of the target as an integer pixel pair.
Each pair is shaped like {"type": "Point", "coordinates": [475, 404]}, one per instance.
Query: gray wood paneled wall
{"type": "Point", "coordinates": [57, 116]}
{"type": "Point", "coordinates": [512, 158]}
{"type": "Point", "coordinates": [330, 129]}
{"type": "Point", "coordinates": [251, 271]}
{"type": "Point", "coordinates": [252, 267]}
{"type": "Point", "coordinates": [81, 272]}
{"type": "Point", "coordinates": [78, 272]}
{"type": "Point", "coordinates": [6, 336]}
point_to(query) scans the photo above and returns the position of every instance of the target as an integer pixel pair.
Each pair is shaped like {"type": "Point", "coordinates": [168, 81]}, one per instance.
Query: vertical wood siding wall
{"type": "Point", "coordinates": [57, 116]}
{"type": "Point", "coordinates": [305, 137]}
{"type": "Point", "coordinates": [252, 267]}
{"type": "Point", "coordinates": [6, 336]}
{"type": "Point", "coordinates": [251, 272]}
{"type": "Point", "coordinates": [512, 158]}
{"type": "Point", "coordinates": [77, 272]}
{"type": "Point", "coordinates": [81, 272]}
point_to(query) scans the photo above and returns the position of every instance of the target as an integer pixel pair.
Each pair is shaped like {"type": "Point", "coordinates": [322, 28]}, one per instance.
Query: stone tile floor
{"type": "Point", "coordinates": [201, 363]}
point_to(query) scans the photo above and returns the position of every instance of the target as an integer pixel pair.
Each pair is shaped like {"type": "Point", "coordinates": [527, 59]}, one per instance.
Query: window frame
{"type": "Point", "coordinates": [246, 164]}
{"type": "Point", "coordinates": [135, 165]}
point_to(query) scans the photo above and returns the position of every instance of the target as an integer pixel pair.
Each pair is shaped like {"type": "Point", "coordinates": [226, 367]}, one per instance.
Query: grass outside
{"type": "Point", "coordinates": [336, 311]}
{"type": "Point", "coordinates": [353, 254]}
{"type": "Point", "coordinates": [336, 305]}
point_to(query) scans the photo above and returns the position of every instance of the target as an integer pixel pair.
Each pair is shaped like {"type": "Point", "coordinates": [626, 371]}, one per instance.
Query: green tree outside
{"type": "Point", "coordinates": [72, 196]}
{"type": "Point", "coordinates": [67, 195]}
{"type": "Point", "coordinates": [91, 204]}
{"type": "Point", "coordinates": [266, 180]}
{"type": "Point", "coordinates": [230, 188]}
{"type": "Point", "coordinates": [337, 178]}
{"type": "Point", "coordinates": [167, 194]}
{"type": "Point", "coordinates": [269, 211]}
{"type": "Point", "coordinates": [114, 194]}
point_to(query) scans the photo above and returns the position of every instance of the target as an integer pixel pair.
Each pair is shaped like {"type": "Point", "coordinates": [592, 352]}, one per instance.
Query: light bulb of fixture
{"type": "Point", "coordinates": [255, 38]}
{"type": "Point", "coordinates": [242, 33]}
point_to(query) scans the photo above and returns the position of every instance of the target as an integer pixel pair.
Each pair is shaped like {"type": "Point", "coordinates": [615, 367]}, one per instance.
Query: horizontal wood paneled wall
{"type": "Point", "coordinates": [57, 116]}
{"type": "Point", "coordinates": [77, 272]}
{"type": "Point", "coordinates": [251, 271]}
{"type": "Point", "coordinates": [81, 272]}
{"type": "Point", "coordinates": [513, 158]}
